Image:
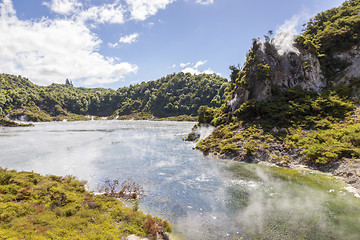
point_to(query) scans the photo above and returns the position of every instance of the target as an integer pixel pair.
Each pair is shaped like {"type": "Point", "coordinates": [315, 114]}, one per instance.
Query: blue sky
{"type": "Point", "coordinates": [115, 43]}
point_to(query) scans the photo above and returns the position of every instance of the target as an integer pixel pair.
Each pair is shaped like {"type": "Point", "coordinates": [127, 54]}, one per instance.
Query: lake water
{"type": "Point", "coordinates": [203, 197]}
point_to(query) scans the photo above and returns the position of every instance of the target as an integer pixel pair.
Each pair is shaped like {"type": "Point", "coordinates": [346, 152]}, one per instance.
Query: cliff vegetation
{"type": "Point", "coordinates": [298, 106]}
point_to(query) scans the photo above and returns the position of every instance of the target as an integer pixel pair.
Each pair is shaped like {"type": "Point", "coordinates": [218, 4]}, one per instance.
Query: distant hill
{"type": "Point", "coordinates": [173, 95]}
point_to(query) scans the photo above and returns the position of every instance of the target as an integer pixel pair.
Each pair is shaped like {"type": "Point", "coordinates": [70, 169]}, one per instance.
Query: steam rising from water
{"type": "Point", "coordinates": [284, 39]}
{"type": "Point", "coordinates": [260, 206]}
{"type": "Point", "coordinates": [204, 198]}
{"type": "Point", "coordinates": [285, 36]}
{"type": "Point", "coordinates": [204, 131]}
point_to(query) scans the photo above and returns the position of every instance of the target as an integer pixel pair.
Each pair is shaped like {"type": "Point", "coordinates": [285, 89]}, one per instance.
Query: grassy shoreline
{"type": "Point", "coordinates": [33, 206]}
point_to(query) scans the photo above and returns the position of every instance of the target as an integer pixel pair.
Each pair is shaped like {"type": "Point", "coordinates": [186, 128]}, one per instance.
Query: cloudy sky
{"type": "Point", "coordinates": [115, 43]}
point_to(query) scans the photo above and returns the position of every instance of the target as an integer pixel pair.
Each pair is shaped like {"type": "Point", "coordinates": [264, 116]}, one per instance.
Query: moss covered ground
{"type": "Point", "coordinates": [33, 206]}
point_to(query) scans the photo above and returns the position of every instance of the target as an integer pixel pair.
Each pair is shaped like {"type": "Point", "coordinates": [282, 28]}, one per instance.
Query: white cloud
{"type": "Point", "coordinates": [7, 10]}
{"type": "Point", "coordinates": [63, 6]}
{"type": "Point", "coordinates": [182, 65]}
{"type": "Point", "coordinates": [196, 71]}
{"type": "Point", "coordinates": [173, 66]}
{"type": "Point", "coordinates": [205, 2]}
{"type": "Point", "coordinates": [150, 24]}
{"type": "Point", "coordinates": [107, 13]}
{"type": "Point", "coordinates": [49, 51]}
{"type": "Point", "coordinates": [114, 12]}
{"type": "Point", "coordinates": [208, 71]}
{"type": "Point", "coordinates": [126, 39]}
{"type": "Point", "coordinates": [113, 45]}
{"type": "Point", "coordinates": [129, 38]}
{"type": "Point", "coordinates": [190, 70]}
{"type": "Point", "coordinates": [195, 68]}
{"type": "Point", "coordinates": [142, 9]}
{"type": "Point", "coordinates": [199, 63]}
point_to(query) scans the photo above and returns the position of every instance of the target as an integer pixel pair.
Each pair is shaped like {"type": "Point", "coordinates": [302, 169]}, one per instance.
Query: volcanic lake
{"type": "Point", "coordinates": [203, 197]}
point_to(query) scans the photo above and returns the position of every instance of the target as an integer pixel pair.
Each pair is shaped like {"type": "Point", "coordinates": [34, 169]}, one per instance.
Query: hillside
{"type": "Point", "coordinates": [173, 95]}
{"type": "Point", "coordinates": [299, 105]}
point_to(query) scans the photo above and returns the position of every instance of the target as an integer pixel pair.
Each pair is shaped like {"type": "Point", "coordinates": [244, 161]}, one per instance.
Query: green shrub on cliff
{"type": "Point", "coordinates": [333, 31]}
{"type": "Point", "coordinates": [295, 107]}
{"type": "Point", "coordinates": [319, 123]}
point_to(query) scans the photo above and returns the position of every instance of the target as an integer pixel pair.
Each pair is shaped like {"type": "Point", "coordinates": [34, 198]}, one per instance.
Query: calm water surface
{"type": "Point", "coordinates": [204, 198]}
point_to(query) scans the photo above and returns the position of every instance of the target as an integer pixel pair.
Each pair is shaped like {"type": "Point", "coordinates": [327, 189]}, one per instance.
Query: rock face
{"type": "Point", "coordinates": [268, 65]}
{"type": "Point", "coordinates": [352, 56]}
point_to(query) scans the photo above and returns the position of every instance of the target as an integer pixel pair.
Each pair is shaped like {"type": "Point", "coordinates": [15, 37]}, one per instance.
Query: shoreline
{"type": "Point", "coordinates": [347, 170]}
{"type": "Point", "coordinates": [6, 122]}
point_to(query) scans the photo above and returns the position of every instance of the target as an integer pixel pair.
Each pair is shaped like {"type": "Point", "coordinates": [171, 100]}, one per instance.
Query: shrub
{"type": "Point", "coordinates": [51, 207]}
{"type": "Point", "coordinates": [251, 147]}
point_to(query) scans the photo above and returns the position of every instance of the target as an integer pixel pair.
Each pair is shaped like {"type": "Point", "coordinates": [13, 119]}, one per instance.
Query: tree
{"type": "Point", "coordinates": [69, 83]}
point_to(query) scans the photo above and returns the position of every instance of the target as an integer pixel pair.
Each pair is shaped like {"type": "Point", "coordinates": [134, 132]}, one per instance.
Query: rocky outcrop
{"type": "Point", "coordinates": [8, 123]}
{"type": "Point", "coordinates": [268, 65]}
{"type": "Point", "coordinates": [351, 56]}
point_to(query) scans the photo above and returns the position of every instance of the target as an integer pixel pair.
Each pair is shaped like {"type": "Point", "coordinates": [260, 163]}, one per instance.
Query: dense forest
{"type": "Point", "coordinates": [173, 95]}
{"type": "Point", "coordinates": [323, 126]}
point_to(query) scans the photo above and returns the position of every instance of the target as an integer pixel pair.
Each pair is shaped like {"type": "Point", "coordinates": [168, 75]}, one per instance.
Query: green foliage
{"type": "Point", "coordinates": [251, 147]}
{"type": "Point", "coordinates": [321, 124]}
{"type": "Point", "coordinates": [38, 207]}
{"type": "Point", "coordinates": [349, 88]}
{"type": "Point", "coordinates": [173, 95]}
{"type": "Point", "coordinates": [9, 123]}
{"type": "Point", "coordinates": [333, 31]}
{"type": "Point", "coordinates": [229, 148]}
{"type": "Point", "coordinates": [206, 114]}
{"type": "Point", "coordinates": [295, 107]}
{"type": "Point", "coordinates": [340, 140]}
{"type": "Point", "coordinates": [263, 71]}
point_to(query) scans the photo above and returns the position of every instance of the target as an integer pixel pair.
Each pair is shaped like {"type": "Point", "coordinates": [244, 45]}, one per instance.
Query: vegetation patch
{"type": "Point", "coordinates": [330, 32]}
{"type": "Point", "coordinates": [324, 125]}
{"type": "Point", "coordinates": [51, 207]}
{"type": "Point", "coordinates": [8, 123]}
{"type": "Point", "coordinates": [176, 96]}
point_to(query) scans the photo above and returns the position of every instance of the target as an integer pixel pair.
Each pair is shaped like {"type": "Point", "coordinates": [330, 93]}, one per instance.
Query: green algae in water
{"type": "Point", "coordinates": [292, 204]}
{"type": "Point", "coordinates": [202, 197]}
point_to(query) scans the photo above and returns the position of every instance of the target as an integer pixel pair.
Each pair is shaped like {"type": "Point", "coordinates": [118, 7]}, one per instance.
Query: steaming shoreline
{"type": "Point", "coordinates": [348, 170]}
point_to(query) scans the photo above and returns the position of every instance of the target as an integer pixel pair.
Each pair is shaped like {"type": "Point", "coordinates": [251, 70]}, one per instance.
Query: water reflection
{"type": "Point", "coordinates": [204, 198]}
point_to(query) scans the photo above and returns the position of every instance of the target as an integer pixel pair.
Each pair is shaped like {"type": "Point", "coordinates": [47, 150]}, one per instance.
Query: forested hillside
{"type": "Point", "coordinates": [299, 106]}
{"type": "Point", "coordinates": [173, 95]}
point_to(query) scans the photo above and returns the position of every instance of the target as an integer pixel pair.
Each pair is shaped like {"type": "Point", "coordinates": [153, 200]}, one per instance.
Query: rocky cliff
{"type": "Point", "coordinates": [296, 99]}
{"type": "Point", "coordinates": [352, 58]}
{"type": "Point", "coordinates": [269, 65]}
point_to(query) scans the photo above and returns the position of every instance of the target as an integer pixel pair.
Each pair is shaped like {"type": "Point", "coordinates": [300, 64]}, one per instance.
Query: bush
{"type": "Point", "coordinates": [206, 114]}
{"type": "Point", "coordinates": [54, 207]}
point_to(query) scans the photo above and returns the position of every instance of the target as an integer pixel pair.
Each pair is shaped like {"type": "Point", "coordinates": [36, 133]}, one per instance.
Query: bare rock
{"type": "Point", "coordinates": [286, 69]}
{"type": "Point", "coordinates": [134, 237]}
